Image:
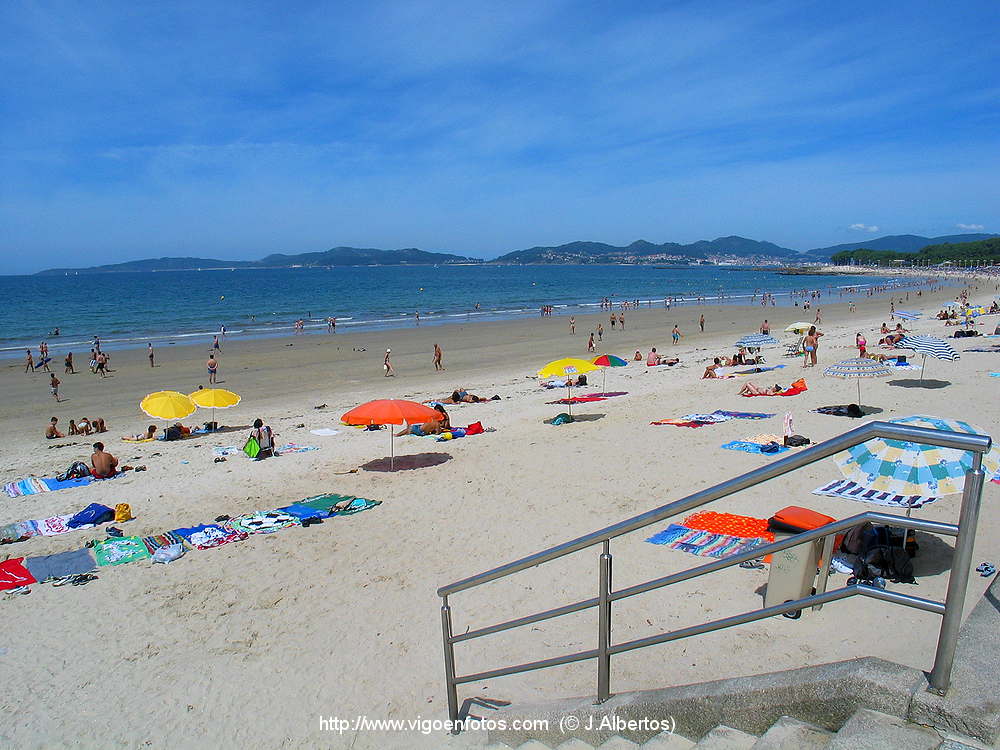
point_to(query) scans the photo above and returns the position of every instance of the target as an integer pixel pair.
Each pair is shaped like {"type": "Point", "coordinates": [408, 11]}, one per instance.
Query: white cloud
{"type": "Point", "coordinates": [970, 226]}
{"type": "Point", "coordinates": [864, 228]}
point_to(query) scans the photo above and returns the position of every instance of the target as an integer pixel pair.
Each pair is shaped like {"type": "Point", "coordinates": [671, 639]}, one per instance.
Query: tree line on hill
{"type": "Point", "coordinates": [985, 252]}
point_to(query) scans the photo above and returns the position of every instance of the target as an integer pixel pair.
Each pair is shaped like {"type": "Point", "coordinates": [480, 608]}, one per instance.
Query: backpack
{"type": "Point", "coordinates": [76, 470]}
{"type": "Point", "coordinates": [172, 433]}
{"type": "Point", "coordinates": [252, 448]}
{"type": "Point", "coordinates": [796, 441]}
{"type": "Point", "coordinates": [884, 561]}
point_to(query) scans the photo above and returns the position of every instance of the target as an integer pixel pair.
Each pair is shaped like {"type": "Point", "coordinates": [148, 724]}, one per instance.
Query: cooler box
{"type": "Point", "coordinates": [793, 570]}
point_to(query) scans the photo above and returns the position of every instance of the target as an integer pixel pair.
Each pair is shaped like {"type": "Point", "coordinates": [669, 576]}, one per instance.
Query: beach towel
{"type": "Point", "coordinates": [610, 394]}
{"type": "Point", "coordinates": [120, 550]}
{"type": "Point", "coordinates": [742, 414]}
{"type": "Point", "coordinates": [262, 522]}
{"type": "Point", "coordinates": [745, 527]}
{"type": "Point", "coordinates": [62, 564]}
{"type": "Point", "coordinates": [748, 447]}
{"type": "Point", "coordinates": [296, 448]}
{"type": "Point", "coordinates": [228, 450]}
{"type": "Point", "coordinates": [138, 440]}
{"type": "Point", "coordinates": [26, 486]}
{"type": "Point", "coordinates": [166, 539]}
{"type": "Point", "coordinates": [18, 532]}
{"type": "Point", "coordinates": [324, 503]}
{"type": "Point", "coordinates": [302, 512]}
{"type": "Point", "coordinates": [577, 400]}
{"type": "Point", "coordinates": [357, 505]}
{"type": "Point", "coordinates": [854, 491]}
{"type": "Point", "coordinates": [209, 536]}
{"type": "Point", "coordinates": [995, 374]}
{"type": "Point", "coordinates": [54, 525]}
{"type": "Point", "coordinates": [325, 431]}
{"type": "Point", "coordinates": [703, 543]}
{"type": "Point", "coordinates": [14, 574]}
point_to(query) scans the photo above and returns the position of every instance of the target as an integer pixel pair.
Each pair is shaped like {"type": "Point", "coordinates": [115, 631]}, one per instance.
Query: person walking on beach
{"type": "Point", "coordinates": [438, 365]}
{"type": "Point", "coordinates": [215, 345]}
{"type": "Point", "coordinates": [102, 364]}
{"type": "Point", "coordinates": [213, 368]}
{"type": "Point", "coordinates": [600, 332]}
{"type": "Point", "coordinates": [387, 365]}
{"type": "Point", "coordinates": [572, 325]}
{"type": "Point", "coordinates": [621, 321]}
{"type": "Point", "coordinates": [29, 361]}
{"type": "Point", "coordinates": [765, 328]}
{"type": "Point", "coordinates": [612, 319]}
{"type": "Point", "coordinates": [590, 343]}
{"type": "Point", "coordinates": [69, 364]}
{"type": "Point", "coordinates": [819, 315]}
{"type": "Point", "coordinates": [701, 323]}
{"type": "Point", "coordinates": [676, 334]}
{"type": "Point", "coordinates": [149, 353]}
{"type": "Point", "coordinates": [54, 386]}
{"type": "Point", "coordinates": [809, 344]}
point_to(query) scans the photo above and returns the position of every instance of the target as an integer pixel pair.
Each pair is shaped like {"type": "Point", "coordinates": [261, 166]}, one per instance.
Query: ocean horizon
{"type": "Point", "coordinates": [129, 309]}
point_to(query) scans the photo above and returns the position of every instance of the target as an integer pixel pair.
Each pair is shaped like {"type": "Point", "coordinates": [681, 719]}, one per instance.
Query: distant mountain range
{"type": "Point", "coordinates": [731, 249]}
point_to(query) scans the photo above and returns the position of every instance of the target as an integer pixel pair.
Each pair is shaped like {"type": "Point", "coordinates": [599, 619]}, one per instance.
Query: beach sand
{"type": "Point", "coordinates": [252, 643]}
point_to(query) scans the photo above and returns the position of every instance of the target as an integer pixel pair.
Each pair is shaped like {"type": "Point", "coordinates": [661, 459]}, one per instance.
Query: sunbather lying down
{"type": "Point", "coordinates": [462, 396]}
{"type": "Point", "coordinates": [752, 389]}
{"type": "Point", "coordinates": [563, 382]}
{"type": "Point", "coordinates": [434, 427]}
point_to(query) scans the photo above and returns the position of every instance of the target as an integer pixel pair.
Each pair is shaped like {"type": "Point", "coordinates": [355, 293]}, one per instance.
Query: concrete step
{"type": "Point", "coordinates": [871, 730]}
{"type": "Point", "coordinates": [666, 741]}
{"type": "Point", "coordinates": [574, 744]}
{"type": "Point", "coordinates": [726, 738]}
{"type": "Point", "coordinates": [791, 734]}
{"type": "Point", "coordinates": [618, 743]}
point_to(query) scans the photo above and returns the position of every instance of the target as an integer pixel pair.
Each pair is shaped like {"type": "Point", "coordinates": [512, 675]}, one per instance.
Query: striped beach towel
{"type": "Point", "coordinates": [703, 543]}
{"type": "Point", "coordinates": [167, 538]}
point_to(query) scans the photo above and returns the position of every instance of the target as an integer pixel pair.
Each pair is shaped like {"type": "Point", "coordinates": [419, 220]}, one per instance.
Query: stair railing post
{"type": "Point", "coordinates": [958, 581]}
{"type": "Point", "coordinates": [604, 626]}
{"type": "Point", "coordinates": [449, 663]}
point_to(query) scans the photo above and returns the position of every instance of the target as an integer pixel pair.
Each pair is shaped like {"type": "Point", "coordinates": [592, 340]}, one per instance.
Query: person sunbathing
{"type": "Point", "coordinates": [104, 465]}
{"type": "Point", "coordinates": [147, 435]}
{"type": "Point", "coordinates": [710, 370]}
{"type": "Point", "coordinates": [461, 396]}
{"type": "Point", "coordinates": [52, 432]}
{"type": "Point", "coordinates": [752, 389]}
{"type": "Point", "coordinates": [434, 427]}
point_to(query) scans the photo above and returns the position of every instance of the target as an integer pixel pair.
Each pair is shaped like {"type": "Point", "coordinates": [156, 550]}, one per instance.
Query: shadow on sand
{"type": "Point", "coordinates": [925, 383]}
{"type": "Point", "coordinates": [581, 418]}
{"type": "Point", "coordinates": [407, 463]}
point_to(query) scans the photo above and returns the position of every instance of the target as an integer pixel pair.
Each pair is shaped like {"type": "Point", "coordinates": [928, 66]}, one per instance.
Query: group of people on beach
{"type": "Point", "coordinates": [86, 426]}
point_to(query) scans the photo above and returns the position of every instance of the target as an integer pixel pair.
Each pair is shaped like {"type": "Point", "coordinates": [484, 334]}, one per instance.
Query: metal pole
{"type": "Point", "coordinates": [392, 450]}
{"type": "Point", "coordinates": [449, 663]}
{"type": "Point", "coordinates": [604, 627]}
{"type": "Point", "coordinates": [958, 581]}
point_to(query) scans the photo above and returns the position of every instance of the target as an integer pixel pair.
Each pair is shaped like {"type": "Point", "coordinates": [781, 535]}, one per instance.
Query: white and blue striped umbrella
{"type": "Point", "coordinates": [860, 367]}
{"type": "Point", "coordinates": [928, 346]}
{"type": "Point", "coordinates": [907, 468]}
{"type": "Point", "coordinates": [757, 340]}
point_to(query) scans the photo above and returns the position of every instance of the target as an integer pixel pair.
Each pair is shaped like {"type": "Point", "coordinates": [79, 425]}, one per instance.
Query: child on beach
{"type": "Point", "coordinates": [52, 432]}
{"type": "Point", "coordinates": [676, 334]}
{"type": "Point", "coordinates": [54, 386]}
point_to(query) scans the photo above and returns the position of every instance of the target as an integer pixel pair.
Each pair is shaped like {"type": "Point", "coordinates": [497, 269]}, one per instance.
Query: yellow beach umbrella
{"type": "Point", "coordinates": [564, 367]}
{"type": "Point", "coordinates": [167, 405]}
{"type": "Point", "coordinates": [799, 328]}
{"type": "Point", "coordinates": [215, 398]}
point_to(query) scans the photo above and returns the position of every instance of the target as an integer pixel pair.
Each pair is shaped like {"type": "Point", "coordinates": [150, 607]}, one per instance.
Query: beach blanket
{"type": "Point", "coordinates": [754, 370]}
{"type": "Point", "coordinates": [18, 532]}
{"type": "Point", "coordinates": [742, 414]}
{"type": "Point", "coordinates": [296, 448]}
{"type": "Point", "coordinates": [745, 527]}
{"type": "Point", "coordinates": [747, 447]}
{"type": "Point", "coordinates": [325, 431]}
{"type": "Point", "coordinates": [54, 525]}
{"type": "Point", "coordinates": [120, 550]}
{"type": "Point", "coordinates": [209, 536]}
{"type": "Point", "coordinates": [302, 512]}
{"type": "Point", "coordinates": [357, 505]}
{"type": "Point", "coordinates": [703, 543]}
{"type": "Point", "coordinates": [706, 418]}
{"type": "Point", "coordinates": [854, 491]}
{"type": "Point", "coordinates": [717, 416]}
{"type": "Point", "coordinates": [262, 522]}
{"type": "Point", "coordinates": [610, 394]}
{"type": "Point", "coordinates": [326, 503]}
{"type": "Point", "coordinates": [577, 400]}
{"type": "Point", "coordinates": [14, 574]}
{"type": "Point", "coordinates": [62, 564]}
{"type": "Point", "coordinates": [793, 390]}
{"type": "Point", "coordinates": [36, 485]}
{"type": "Point", "coordinates": [228, 450]}
{"type": "Point", "coordinates": [166, 539]}
{"type": "Point", "coordinates": [138, 440]}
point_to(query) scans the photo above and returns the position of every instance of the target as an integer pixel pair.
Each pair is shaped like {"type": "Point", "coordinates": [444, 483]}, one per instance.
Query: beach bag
{"type": "Point", "coordinates": [172, 433]}
{"type": "Point", "coordinates": [771, 447]}
{"type": "Point", "coordinates": [796, 441]}
{"type": "Point", "coordinates": [476, 428]}
{"type": "Point", "coordinates": [123, 513]}
{"type": "Point", "coordinates": [76, 470]}
{"type": "Point", "coordinates": [562, 418]}
{"type": "Point", "coordinates": [252, 448]}
{"type": "Point", "coordinates": [93, 514]}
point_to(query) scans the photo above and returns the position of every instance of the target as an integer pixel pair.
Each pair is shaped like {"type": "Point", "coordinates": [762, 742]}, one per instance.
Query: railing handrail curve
{"type": "Point", "coordinates": [878, 429]}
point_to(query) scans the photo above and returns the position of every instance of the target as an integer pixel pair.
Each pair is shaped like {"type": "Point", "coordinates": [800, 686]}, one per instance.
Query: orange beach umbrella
{"type": "Point", "coordinates": [390, 411]}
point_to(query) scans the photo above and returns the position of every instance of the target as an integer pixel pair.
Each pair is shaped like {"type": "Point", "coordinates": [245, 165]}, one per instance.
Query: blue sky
{"type": "Point", "coordinates": [233, 130]}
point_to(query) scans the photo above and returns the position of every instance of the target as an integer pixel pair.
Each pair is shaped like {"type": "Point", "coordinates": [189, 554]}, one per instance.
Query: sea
{"type": "Point", "coordinates": [128, 310]}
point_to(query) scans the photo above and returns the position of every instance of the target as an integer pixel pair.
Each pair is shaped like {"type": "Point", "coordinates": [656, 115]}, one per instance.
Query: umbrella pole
{"type": "Point", "coordinates": [392, 452]}
{"type": "Point", "coordinates": [859, 392]}
{"type": "Point", "coordinates": [569, 398]}
{"type": "Point", "coordinates": [604, 381]}
{"type": "Point", "coordinates": [923, 364]}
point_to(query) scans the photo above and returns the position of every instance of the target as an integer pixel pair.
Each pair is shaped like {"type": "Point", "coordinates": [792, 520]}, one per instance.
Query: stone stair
{"type": "Point", "coordinates": [864, 730]}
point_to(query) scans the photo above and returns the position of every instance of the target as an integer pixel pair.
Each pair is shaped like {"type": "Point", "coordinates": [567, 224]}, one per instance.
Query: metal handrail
{"type": "Point", "coordinates": [951, 609]}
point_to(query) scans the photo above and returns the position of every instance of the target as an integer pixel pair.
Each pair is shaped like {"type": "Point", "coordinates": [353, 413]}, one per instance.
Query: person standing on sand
{"type": "Point", "coordinates": [819, 315]}
{"type": "Point", "coordinates": [54, 386]}
{"type": "Point", "coordinates": [810, 344]}
{"type": "Point", "coordinates": [438, 365]}
{"type": "Point", "coordinates": [612, 319]}
{"type": "Point", "coordinates": [765, 328]}
{"type": "Point", "coordinates": [701, 323]}
{"type": "Point", "coordinates": [213, 368]}
{"type": "Point", "coordinates": [387, 364]}
{"type": "Point", "coordinates": [590, 343]}
{"type": "Point", "coordinates": [621, 321]}
{"type": "Point", "coordinates": [572, 325]}
{"type": "Point", "coordinates": [29, 361]}
{"type": "Point", "coordinates": [149, 353]}
{"type": "Point", "coordinates": [600, 332]}
{"type": "Point", "coordinates": [69, 364]}
{"type": "Point", "coordinates": [215, 345]}
{"type": "Point", "coordinates": [676, 334]}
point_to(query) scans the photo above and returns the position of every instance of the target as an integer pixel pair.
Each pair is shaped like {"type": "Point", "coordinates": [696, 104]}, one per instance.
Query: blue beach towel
{"type": "Point", "coordinates": [742, 414]}
{"type": "Point", "coordinates": [302, 512]}
{"type": "Point", "coordinates": [747, 447]}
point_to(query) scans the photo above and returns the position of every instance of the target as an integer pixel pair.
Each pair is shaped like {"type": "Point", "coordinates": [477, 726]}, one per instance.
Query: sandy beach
{"type": "Point", "coordinates": [252, 643]}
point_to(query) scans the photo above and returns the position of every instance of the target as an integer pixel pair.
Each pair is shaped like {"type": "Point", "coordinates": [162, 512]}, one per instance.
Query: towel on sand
{"type": "Point", "coordinates": [262, 522]}
{"type": "Point", "coordinates": [36, 485]}
{"type": "Point", "coordinates": [14, 574]}
{"type": "Point", "coordinates": [748, 447]}
{"type": "Point", "coordinates": [17, 532]}
{"type": "Point", "coordinates": [742, 414]}
{"type": "Point", "coordinates": [61, 564]}
{"type": "Point", "coordinates": [703, 543]}
{"type": "Point", "coordinates": [326, 503]}
{"type": "Point", "coordinates": [303, 512]}
{"type": "Point", "coordinates": [120, 550]}
{"type": "Point", "coordinates": [325, 431]}
{"type": "Point", "coordinates": [296, 448]}
{"type": "Point", "coordinates": [54, 525]}
{"type": "Point", "coordinates": [209, 536]}
{"type": "Point", "coordinates": [166, 539]}
{"type": "Point", "coordinates": [853, 491]}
